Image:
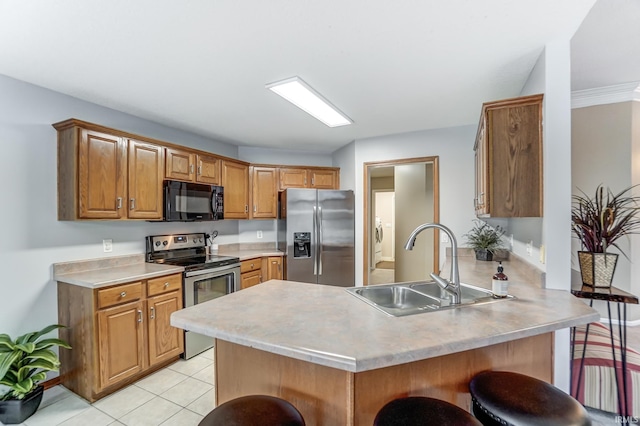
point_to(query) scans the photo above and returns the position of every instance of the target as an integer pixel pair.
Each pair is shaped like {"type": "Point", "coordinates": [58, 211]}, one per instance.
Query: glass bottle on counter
{"type": "Point", "coordinates": [500, 283]}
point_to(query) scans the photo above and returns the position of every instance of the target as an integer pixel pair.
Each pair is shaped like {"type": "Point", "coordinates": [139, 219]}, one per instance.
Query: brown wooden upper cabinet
{"type": "Point", "coordinates": [190, 166]}
{"type": "Point", "coordinates": [264, 192]}
{"type": "Point", "coordinates": [105, 176]}
{"type": "Point", "coordinates": [235, 180]}
{"type": "Point", "coordinates": [297, 177]}
{"type": "Point", "coordinates": [508, 158]}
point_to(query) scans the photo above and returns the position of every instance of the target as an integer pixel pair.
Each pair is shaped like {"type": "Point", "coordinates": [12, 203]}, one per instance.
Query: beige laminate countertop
{"type": "Point", "coordinates": [104, 277]}
{"type": "Point", "coordinates": [326, 325]}
{"type": "Point", "coordinates": [246, 254]}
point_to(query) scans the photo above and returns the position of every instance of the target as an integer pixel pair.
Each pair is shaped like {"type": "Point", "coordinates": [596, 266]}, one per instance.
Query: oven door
{"type": "Point", "coordinates": [184, 201]}
{"type": "Point", "coordinates": [201, 286]}
{"type": "Point", "coordinates": [208, 284]}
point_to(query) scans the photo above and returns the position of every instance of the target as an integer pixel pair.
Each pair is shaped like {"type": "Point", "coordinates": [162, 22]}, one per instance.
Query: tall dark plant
{"type": "Point", "coordinates": [600, 221]}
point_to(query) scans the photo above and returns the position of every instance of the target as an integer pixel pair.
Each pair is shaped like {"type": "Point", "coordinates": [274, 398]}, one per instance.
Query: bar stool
{"type": "Point", "coordinates": [254, 409]}
{"type": "Point", "coordinates": [423, 411]}
{"type": "Point", "coordinates": [506, 398]}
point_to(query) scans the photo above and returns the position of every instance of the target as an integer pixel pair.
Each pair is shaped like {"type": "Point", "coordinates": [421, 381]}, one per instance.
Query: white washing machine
{"type": "Point", "coordinates": [379, 235]}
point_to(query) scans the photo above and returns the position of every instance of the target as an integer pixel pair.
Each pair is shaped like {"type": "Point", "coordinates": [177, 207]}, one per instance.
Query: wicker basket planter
{"type": "Point", "coordinates": [597, 268]}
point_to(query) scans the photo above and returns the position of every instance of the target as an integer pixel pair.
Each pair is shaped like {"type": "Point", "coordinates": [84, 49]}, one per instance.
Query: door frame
{"type": "Point", "coordinates": [367, 209]}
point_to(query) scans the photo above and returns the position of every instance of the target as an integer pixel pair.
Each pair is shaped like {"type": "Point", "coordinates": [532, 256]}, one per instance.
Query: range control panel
{"type": "Point", "coordinates": [173, 242]}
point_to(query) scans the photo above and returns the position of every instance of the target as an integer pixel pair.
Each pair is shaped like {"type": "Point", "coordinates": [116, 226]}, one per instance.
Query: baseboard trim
{"type": "Point", "coordinates": [633, 323]}
{"type": "Point", "coordinates": [51, 382]}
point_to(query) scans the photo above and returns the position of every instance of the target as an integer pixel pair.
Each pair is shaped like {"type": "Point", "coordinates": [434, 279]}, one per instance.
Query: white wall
{"type": "Point", "coordinates": [33, 237]}
{"type": "Point", "coordinates": [283, 156]}
{"type": "Point", "coordinates": [453, 145]}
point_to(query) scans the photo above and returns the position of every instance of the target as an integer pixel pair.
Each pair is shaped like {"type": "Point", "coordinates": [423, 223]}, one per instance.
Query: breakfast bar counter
{"type": "Point", "coordinates": [339, 360]}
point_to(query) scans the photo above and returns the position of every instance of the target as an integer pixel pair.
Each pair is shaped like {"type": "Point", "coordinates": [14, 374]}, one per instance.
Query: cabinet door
{"type": "Point", "coordinates": [101, 176]}
{"type": "Point", "coordinates": [145, 180]}
{"type": "Point", "coordinates": [273, 268]}
{"type": "Point", "coordinates": [515, 161]}
{"type": "Point", "coordinates": [164, 341]}
{"type": "Point", "coordinates": [323, 179]}
{"type": "Point", "coordinates": [180, 165]}
{"type": "Point", "coordinates": [249, 279]}
{"type": "Point", "coordinates": [292, 178]}
{"type": "Point", "coordinates": [208, 170]}
{"type": "Point", "coordinates": [121, 344]}
{"type": "Point", "coordinates": [264, 198]}
{"type": "Point", "coordinates": [235, 180]}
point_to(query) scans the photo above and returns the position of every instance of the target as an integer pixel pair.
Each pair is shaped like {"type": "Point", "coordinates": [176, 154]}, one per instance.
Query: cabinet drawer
{"type": "Point", "coordinates": [251, 265]}
{"type": "Point", "coordinates": [119, 294]}
{"type": "Point", "coordinates": [164, 284]}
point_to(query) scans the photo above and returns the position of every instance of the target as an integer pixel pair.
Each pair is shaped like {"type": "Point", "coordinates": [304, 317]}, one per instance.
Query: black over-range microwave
{"type": "Point", "coordinates": [185, 201]}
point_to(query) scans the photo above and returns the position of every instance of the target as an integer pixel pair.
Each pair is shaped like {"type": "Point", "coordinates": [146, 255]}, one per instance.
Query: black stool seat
{"type": "Point", "coordinates": [254, 410]}
{"type": "Point", "coordinates": [505, 398]}
{"type": "Point", "coordinates": [423, 411]}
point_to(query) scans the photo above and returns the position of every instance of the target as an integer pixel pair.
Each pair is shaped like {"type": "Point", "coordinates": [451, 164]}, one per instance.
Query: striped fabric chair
{"type": "Point", "coordinates": [598, 382]}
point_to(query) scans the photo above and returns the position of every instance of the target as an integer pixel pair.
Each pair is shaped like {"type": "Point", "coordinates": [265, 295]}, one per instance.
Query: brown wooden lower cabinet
{"type": "Point", "coordinates": [118, 334]}
{"type": "Point", "coordinates": [331, 396]}
{"type": "Point", "coordinates": [257, 270]}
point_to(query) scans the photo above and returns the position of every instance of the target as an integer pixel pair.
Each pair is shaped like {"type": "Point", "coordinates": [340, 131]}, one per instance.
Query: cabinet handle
{"type": "Point", "coordinates": [153, 313]}
{"type": "Point", "coordinates": [200, 169]}
{"type": "Point", "coordinates": [166, 284]}
{"type": "Point", "coordinates": [139, 315]}
{"type": "Point", "coordinates": [246, 208]}
{"type": "Point", "coordinates": [305, 181]}
{"type": "Point", "coordinates": [119, 203]}
{"type": "Point", "coordinates": [123, 294]}
{"type": "Point", "coordinates": [132, 203]}
{"type": "Point", "coordinates": [190, 169]}
{"type": "Point", "coordinates": [313, 181]}
{"type": "Point", "coordinates": [255, 209]}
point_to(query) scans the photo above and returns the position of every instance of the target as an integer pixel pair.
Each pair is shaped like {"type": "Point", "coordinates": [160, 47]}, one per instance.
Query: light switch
{"type": "Point", "coordinates": [107, 246]}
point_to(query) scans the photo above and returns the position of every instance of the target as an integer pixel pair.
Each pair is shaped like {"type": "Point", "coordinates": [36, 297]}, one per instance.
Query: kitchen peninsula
{"type": "Point", "coordinates": [338, 360]}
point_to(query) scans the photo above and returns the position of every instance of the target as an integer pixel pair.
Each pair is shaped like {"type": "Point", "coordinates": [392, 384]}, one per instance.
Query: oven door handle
{"type": "Point", "coordinates": [212, 271]}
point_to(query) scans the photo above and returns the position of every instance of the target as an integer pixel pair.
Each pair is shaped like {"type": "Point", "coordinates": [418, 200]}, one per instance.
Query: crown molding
{"type": "Point", "coordinates": [606, 95]}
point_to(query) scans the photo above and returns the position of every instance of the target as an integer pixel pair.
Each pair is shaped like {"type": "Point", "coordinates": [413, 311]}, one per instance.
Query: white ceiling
{"type": "Point", "coordinates": [392, 66]}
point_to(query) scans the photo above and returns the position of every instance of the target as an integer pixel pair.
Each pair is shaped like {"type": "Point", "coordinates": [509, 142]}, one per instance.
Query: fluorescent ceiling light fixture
{"type": "Point", "coordinates": [299, 93]}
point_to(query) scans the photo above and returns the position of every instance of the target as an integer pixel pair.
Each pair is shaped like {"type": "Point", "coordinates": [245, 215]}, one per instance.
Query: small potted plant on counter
{"type": "Point", "coordinates": [598, 223]}
{"type": "Point", "coordinates": [23, 364]}
{"type": "Point", "coordinates": [484, 239]}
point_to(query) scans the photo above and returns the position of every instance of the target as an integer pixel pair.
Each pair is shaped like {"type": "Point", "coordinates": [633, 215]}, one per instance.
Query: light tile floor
{"type": "Point", "coordinates": [178, 395]}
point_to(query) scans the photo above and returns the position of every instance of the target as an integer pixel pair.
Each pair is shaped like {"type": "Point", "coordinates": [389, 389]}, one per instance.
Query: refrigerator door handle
{"type": "Point", "coordinates": [315, 254]}
{"type": "Point", "coordinates": [320, 241]}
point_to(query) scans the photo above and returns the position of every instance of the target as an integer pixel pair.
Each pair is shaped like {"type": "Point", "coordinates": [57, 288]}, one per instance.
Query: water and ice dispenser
{"type": "Point", "coordinates": [302, 244]}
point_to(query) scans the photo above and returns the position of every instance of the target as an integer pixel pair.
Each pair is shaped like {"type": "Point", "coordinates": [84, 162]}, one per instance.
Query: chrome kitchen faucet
{"type": "Point", "coordinates": [453, 286]}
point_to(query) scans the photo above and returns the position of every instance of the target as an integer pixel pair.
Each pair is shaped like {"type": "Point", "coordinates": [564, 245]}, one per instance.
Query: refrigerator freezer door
{"type": "Point", "coordinates": [300, 223]}
{"type": "Point", "coordinates": [336, 235]}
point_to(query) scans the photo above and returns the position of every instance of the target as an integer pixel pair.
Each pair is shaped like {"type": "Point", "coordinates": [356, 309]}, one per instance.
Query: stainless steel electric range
{"type": "Point", "coordinates": [205, 277]}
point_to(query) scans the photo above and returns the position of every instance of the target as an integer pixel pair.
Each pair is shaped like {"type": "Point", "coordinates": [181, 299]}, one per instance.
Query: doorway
{"type": "Point", "coordinates": [400, 195]}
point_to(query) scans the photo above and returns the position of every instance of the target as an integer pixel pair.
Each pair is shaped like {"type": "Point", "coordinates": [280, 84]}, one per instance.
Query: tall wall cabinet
{"type": "Point", "coordinates": [508, 158]}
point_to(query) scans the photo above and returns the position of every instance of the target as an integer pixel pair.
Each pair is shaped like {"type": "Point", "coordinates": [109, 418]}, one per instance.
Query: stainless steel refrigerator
{"type": "Point", "coordinates": [316, 231]}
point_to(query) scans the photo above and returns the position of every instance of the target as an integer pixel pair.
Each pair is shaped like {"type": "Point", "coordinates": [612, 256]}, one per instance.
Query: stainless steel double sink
{"type": "Point", "coordinates": [419, 297]}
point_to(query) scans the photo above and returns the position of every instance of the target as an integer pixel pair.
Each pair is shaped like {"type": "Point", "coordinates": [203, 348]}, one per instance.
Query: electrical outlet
{"type": "Point", "coordinates": [444, 238]}
{"type": "Point", "coordinates": [107, 246]}
{"type": "Point", "coordinates": [530, 248]}
{"type": "Point", "coordinates": [542, 254]}
{"type": "Point", "coordinates": [259, 235]}
{"type": "Point", "coordinates": [511, 241]}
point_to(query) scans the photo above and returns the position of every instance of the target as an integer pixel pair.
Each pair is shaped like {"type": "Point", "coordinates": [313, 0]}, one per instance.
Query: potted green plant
{"type": "Point", "coordinates": [23, 364]}
{"type": "Point", "coordinates": [484, 239]}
